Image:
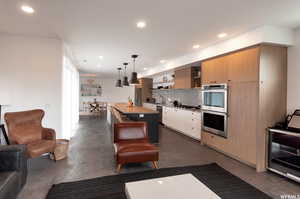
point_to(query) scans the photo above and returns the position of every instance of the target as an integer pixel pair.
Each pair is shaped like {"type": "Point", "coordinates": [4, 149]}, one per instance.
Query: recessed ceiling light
{"type": "Point", "coordinates": [145, 68]}
{"type": "Point", "coordinates": [162, 61]}
{"type": "Point", "coordinates": [160, 182]}
{"type": "Point", "coordinates": [196, 46]}
{"type": "Point", "coordinates": [100, 57]}
{"type": "Point", "coordinates": [27, 9]}
{"type": "Point", "coordinates": [222, 35]}
{"type": "Point", "coordinates": [141, 24]}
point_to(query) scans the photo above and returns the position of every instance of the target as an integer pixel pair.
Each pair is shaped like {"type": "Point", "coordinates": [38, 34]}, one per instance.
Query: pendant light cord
{"type": "Point", "coordinates": [133, 64]}
{"type": "Point", "coordinates": [119, 69]}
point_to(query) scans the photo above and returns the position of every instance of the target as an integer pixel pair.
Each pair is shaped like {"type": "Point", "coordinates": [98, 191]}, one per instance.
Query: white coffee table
{"type": "Point", "coordinates": [184, 186]}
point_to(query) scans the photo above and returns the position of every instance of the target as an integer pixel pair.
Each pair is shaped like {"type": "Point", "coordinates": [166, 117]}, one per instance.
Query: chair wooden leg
{"type": "Point", "coordinates": [119, 168]}
{"type": "Point", "coordinates": [155, 165]}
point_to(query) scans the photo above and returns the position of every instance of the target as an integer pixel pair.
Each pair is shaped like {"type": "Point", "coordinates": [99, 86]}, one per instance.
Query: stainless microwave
{"type": "Point", "coordinates": [214, 97]}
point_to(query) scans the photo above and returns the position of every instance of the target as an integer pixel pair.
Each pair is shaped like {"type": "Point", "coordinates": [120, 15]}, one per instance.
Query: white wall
{"type": "Point", "coordinates": [31, 74]}
{"type": "Point", "coordinates": [293, 95]}
{"type": "Point", "coordinates": [110, 93]}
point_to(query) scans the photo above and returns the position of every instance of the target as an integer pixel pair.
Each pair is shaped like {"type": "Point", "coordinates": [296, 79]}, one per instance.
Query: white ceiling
{"type": "Point", "coordinates": [107, 27]}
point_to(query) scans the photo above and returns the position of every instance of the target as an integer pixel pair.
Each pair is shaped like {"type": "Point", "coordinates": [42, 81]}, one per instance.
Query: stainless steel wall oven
{"type": "Point", "coordinates": [214, 109]}
{"type": "Point", "coordinates": [215, 122]}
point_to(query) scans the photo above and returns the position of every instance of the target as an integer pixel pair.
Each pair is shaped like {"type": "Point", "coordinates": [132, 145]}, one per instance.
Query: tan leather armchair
{"type": "Point", "coordinates": [26, 128]}
{"type": "Point", "coordinates": [132, 144]}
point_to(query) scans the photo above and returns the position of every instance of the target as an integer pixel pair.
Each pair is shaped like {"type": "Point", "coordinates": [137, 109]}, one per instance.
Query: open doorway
{"type": "Point", "coordinates": [91, 103]}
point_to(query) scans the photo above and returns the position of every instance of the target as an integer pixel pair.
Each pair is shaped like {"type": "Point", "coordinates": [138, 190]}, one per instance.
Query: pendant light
{"type": "Point", "coordinates": [119, 82]}
{"type": "Point", "coordinates": [125, 78]}
{"type": "Point", "coordinates": [134, 79]}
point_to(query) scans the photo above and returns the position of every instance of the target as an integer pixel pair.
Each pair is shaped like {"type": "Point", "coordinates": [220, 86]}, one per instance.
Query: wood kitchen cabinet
{"type": "Point", "coordinates": [243, 65]}
{"type": "Point", "coordinates": [180, 78]}
{"type": "Point", "coordinates": [242, 115]}
{"type": "Point", "coordinates": [214, 71]}
{"type": "Point", "coordinates": [217, 142]}
{"type": "Point", "coordinates": [185, 78]}
{"type": "Point", "coordinates": [241, 123]}
{"type": "Point", "coordinates": [146, 85]}
{"type": "Point", "coordinates": [257, 90]}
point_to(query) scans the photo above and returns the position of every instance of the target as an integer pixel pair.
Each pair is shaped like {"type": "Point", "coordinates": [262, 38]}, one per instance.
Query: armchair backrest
{"type": "Point", "coordinates": [130, 131]}
{"type": "Point", "coordinates": [24, 127]}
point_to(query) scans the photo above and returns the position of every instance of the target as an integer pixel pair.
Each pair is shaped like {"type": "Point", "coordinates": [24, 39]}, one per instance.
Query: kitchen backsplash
{"type": "Point", "coordinates": [190, 97]}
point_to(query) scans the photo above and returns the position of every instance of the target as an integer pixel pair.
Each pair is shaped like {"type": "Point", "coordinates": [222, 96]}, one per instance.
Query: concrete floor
{"type": "Point", "coordinates": [91, 155]}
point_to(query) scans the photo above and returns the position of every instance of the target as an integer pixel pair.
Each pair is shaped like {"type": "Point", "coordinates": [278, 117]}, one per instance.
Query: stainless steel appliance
{"type": "Point", "coordinates": [284, 147]}
{"type": "Point", "coordinates": [284, 153]}
{"type": "Point", "coordinates": [214, 122]}
{"type": "Point", "coordinates": [214, 97]}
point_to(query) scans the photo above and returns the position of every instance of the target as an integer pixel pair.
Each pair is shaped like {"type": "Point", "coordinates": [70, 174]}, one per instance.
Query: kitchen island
{"type": "Point", "coordinates": [139, 113]}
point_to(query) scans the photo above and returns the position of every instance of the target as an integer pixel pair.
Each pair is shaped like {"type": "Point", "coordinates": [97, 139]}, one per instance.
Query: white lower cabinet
{"type": "Point", "coordinates": [184, 121]}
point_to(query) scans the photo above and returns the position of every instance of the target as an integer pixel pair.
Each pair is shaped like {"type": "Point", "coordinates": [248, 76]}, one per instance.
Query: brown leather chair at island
{"type": "Point", "coordinates": [26, 128]}
{"type": "Point", "coordinates": [132, 144]}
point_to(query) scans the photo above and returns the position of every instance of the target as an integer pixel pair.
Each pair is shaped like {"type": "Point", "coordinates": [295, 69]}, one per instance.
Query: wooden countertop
{"type": "Point", "coordinates": [123, 108]}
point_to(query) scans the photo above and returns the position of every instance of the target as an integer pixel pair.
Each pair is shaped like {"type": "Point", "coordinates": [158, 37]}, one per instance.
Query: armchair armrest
{"type": "Point", "coordinates": [48, 134]}
{"type": "Point", "coordinates": [13, 158]}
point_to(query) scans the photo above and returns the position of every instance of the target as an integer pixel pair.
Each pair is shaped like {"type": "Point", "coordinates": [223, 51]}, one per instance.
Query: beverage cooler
{"type": "Point", "coordinates": [284, 148]}
{"type": "Point", "coordinates": [284, 153]}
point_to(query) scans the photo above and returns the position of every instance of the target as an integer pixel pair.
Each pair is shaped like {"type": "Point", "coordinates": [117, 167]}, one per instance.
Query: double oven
{"type": "Point", "coordinates": [214, 108]}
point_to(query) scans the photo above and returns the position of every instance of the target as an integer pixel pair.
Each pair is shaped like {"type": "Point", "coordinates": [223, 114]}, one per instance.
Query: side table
{"type": "Point", "coordinates": [4, 133]}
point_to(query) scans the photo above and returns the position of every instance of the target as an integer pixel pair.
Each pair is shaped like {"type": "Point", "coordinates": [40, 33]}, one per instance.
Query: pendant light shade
{"type": "Point", "coordinates": [119, 82]}
{"type": "Point", "coordinates": [134, 79]}
{"type": "Point", "coordinates": [125, 78]}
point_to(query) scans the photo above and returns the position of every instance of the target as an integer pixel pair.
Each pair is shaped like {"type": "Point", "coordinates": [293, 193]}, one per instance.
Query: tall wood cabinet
{"type": "Point", "coordinates": [146, 85]}
{"type": "Point", "coordinates": [186, 78]}
{"type": "Point", "coordinates": [256, 79]}
{"type": "Point", "coordinates": [214, 71]}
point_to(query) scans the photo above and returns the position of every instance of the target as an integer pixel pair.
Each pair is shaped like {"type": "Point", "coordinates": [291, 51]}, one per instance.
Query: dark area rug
{"type": "Point", "coordinates": [223, 183]}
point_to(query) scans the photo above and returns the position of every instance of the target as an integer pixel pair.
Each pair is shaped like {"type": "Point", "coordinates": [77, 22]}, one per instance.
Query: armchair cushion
{"type": "Point", "coordinates": [136, 152]}
{"type": "Point", "coordinates": [27, 133]}
{"type": "Point", "coordinates": [24, 127]}
{"type": "Point", "coordinates": [48, 134]}
{"type": "Point", "coordinates": [130, 131]}
{"type": "Point", "coordinates": [35, 149]}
